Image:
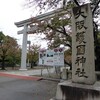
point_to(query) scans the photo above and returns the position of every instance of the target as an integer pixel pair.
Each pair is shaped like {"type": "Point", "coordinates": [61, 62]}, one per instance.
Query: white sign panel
{"type": "Point", "coordinates": [42, 56]}
{"type": "Point", "coordinates": [53, 57]}
{"type": "Point", "coordinates": [49, 58]}
{"type": "Point", "coordinates": [58, 57]}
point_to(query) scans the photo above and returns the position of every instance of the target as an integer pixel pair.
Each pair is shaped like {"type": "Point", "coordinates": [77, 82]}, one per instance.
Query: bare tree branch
{"type": "Point", "coordinates": [96, 6]}
{"type": "Point", "coordinates": [76, 2]}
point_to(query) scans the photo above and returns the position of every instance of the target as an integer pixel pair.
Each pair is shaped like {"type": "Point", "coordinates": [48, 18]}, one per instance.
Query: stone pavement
{"type": "Point", "coordinates": [19, 89]}
{"type": "Point", "coordinates": [33, 74]}
{"type": "Point", "coordinates": [44, 89]}
{"type": "Point", "coordinates": [20, 76]}
{"type": "Point", "coordinates": [28, 72]}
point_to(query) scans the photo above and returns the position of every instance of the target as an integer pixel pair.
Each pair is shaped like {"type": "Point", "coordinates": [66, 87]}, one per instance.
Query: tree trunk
{"type": "Point", "coordinates": [3, 64]}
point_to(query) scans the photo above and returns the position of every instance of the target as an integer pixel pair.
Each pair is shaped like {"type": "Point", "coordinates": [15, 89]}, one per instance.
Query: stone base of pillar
{"type": "Point", "coordinates": [22, 69]}
{"type": "Point", "coordinates": [74, 91]}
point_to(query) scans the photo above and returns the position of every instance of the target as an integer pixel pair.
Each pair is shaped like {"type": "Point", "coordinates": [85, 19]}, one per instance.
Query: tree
{"type": "Point", "coordinates": [44, 5]}
{"type": "Point", "coordinates": [14, 56]}
{"type": "Point", "coordinates": [8, 49]}
{"type": "Point", "coordinates": [2, 50]}
{"type": "Point", "coordinates": [1, 37]}
{"type": "Point", "coordinates": [57, 30]}
{"type": "Point", "coordinates": [33, 54]}
{"type": "Point", "coordinates": [68, 57]}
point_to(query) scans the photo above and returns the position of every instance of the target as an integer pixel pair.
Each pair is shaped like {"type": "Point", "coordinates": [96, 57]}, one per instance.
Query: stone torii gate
{"type": "Point", "coordinates": [29, 30]}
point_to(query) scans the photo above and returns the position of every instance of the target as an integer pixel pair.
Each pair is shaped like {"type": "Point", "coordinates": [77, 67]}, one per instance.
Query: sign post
{"type": "Point", "coordinates": [58, 57]}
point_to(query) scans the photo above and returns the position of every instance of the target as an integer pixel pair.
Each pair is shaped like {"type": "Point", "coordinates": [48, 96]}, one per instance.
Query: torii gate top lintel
{"type": "Point", "coordinates": [39, 17]}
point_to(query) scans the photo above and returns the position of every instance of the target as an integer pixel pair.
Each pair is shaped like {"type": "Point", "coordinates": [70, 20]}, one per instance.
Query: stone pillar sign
{"type": "Point", "coordinates": [83, 66]}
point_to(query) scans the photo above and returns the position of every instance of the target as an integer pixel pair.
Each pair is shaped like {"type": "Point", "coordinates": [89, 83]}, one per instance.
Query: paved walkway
{"type": "Point", "coordinates": [22, 89]}
{"type": "Point", "coordinates": [21, 76]}
{"type": "Point", "coordinates": [26, 74]}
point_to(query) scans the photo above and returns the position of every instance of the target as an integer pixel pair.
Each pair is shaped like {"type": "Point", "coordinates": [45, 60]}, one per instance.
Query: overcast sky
{"type": "Point", "coordinates": [12, 11]}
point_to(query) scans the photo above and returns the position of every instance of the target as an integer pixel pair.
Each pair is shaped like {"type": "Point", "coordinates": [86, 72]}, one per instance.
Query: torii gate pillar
{"type": "Point", "coordinates": [24, 49]}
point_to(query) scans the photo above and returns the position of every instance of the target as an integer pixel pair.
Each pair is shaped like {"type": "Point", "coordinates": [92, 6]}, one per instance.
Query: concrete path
{"type": "Point", "coordinates": [33, 74]}
{"type": "Point", "coordinates": [19, 89]}
{"type": "Point", "coordinates": [28, 72]}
